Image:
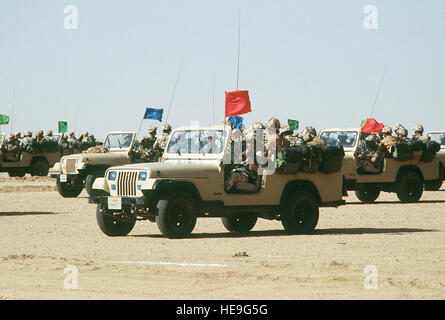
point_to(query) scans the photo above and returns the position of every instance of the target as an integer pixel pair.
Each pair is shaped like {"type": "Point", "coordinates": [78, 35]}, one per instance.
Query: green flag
{"type": "Point", "coordinates": [293, 124]}
{"type": "Point", "coordinates": [4, 119]}
{"type": "Point", "coordinates": [362, 123]}
{"type": "Point", "coordinates": [63, 127]}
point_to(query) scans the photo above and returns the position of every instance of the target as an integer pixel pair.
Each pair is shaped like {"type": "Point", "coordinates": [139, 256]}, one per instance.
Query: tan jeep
{"type": "Point", "coordinates": [405, 178]}
{"type": "Point", "coordinates": [76, 171]}
{"type": "Point", "coordinates": [439, 137]}
{"type": "Point", "coordinates": [190, 182]}
{"type": "Point", "coordinates": [37, 164]}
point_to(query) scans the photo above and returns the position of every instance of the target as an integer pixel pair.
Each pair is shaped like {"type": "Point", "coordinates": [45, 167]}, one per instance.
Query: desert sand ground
{"type": "Point", "coordinates": [43, 233]}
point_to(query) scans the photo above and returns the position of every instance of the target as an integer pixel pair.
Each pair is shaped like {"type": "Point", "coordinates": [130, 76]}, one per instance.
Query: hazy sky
{"type": "Point", "coordinates": [311, 61]}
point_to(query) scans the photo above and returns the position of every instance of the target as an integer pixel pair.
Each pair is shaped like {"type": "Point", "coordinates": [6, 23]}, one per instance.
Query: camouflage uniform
{"type": "Point", "coordinates": [12, 148]}
{"type": "Point", "coordinates": [74, 143]}
{"type": "Point", "coordinates": [418, 134]}
{"type": "Point", "coordinates": [388, 140]}
{"type": "Point", "coordinates": [161, 143]}
{"type": "Point", "coordinates": [64, 146]}
{"type": "Point", "coordinates": [27, 141]}
{"type": "Point", "coordinates": [402, 135]}
{"type": "Point", "coordinates": [369, 155]}
{"type": "Point", "coordinates": [310, 137]}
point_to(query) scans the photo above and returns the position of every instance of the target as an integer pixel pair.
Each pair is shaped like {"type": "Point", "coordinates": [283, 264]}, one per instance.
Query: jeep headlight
{"type": "Point", "coordinates": [142, 176]}
{"type": "Point", "coordinates": [112, 175]}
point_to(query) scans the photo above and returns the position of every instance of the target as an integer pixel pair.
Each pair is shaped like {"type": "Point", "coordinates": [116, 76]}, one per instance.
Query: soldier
{"type": "Point", "coordinates": [402, 135]}
{"type": "Point", "coordinates": [27, 141]}
{"type": "Point", "coordinates": [286, 134]}
{"type": "Point", "coordinates": [64, 145]}
{"type": "Point", "coordinates": [388, 139]}
{"type": "Point", "coordinates": [74, 143]}
{"type": "Point", "coordinates": [247, 171]}
{"type": "Point", "coordinates": [274, 139]}
{"type": "Point", "coordinates": [369, 155]}
{"type": "Point", "coordinates": [418, 134]}
{"type": "Point", "coordinates": [310, 137]}
{"type": "Point", "coordinates": [12, 148]}
{"type": "Point", "coordinates": [144, 151]}
{"type": "Point", "coordinates": [161, 143]}
{"type": "Point", "coordinates": [396, 127]}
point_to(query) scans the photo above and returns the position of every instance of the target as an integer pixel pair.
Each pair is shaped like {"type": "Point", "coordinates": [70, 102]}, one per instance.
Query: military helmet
{"type": "Point", "coordinates": [49, 132]}
{"type": "Point", "coordinates": [397, 126]}
{"type": "Point", "coordinates": [152, 129]}
{"type": "Point", "coordinates": [309, 130]}
{"type": "Point", "coordinates": [17, 134]}
{"type": "Point", "coordinates": [418, 128]}
{"type": "Point", "coordinates": [85, 134]}
{"type": "Point", "coordinates": [39, 133]}
{"type": "Point", "coordinates": [387, 129]}
{"type": "Point", "coordinates": [257, 125]}
{"type": "Point", "coordinates": [286, 130]}
{"type": "Point", "coordinates": [166, 127]}
{"type": "Point", "coordinates": [273, 123]}
{"type": "Point", "coordinates": [372, 138]}
{"type": "Point", "coordinates": [403, 132]}
{"type": "Point", "coordinates": [11, 135]}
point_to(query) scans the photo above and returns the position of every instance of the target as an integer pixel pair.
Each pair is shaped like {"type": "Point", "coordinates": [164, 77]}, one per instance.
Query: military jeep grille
{"type": "Point", "coordinates": [70, 165]}
{"type": "Point", "coordinates": [126, 183]}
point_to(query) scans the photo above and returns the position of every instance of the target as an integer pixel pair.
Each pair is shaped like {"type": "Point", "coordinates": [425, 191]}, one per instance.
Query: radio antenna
{"type": "Point", "coordinates": [378, 90]}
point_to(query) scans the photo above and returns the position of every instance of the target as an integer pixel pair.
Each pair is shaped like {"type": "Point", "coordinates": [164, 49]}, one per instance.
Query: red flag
{"type": "Point", "coordinates": [237, 102]}
{"type": "Point", "coordinates": [372, 125]}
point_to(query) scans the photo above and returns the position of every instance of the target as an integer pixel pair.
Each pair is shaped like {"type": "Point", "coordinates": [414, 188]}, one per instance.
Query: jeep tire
{"type": "Point", "coordinates": [367, 194]}
{"type": "Point", "coordinates": [410, 187]}
{"type": "Point", "coordinates": [176, 215]}
{"type": "Point", "coordinates": [68, 191]}
{"type": "Point", "coordinates": [39, 168]}
{"type": "Point", "coordinates": [436, 184]}
{"type": "Point", "coordinates": [241, 222]}
{"type": "Point", "coordinates": [89, 184]}
{"type": "Point", "coordinates": [299, 213]}
{"type": "Point", "coordinates": [113, 227]}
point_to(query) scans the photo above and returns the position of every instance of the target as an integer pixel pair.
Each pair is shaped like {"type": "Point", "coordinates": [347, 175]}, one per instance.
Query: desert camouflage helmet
{"type": "Point", "coordinates": [403, 132]}
{"type": "Point", "coordinates": [286, 130]}
{"type": "Point", "coordinates": [49, 132]}
{"type": "Point", "coordinates": [17, 134]}
{"type": "Point", "coordinates": [397, 126]}
{"type": "Point", "coordinates": [387, 130]}
{"type": "Point", "coordinates": [372, 138]}
{"type": "Point", "coordinates": [309, 130]}
{"type": "Point", "coordinates": [85, 134]}
{"type": "Point", "coordinates": [152, 129]}
{"type": "Point", "coordinates": [418, 128]}
{"type": "Point", "coordinates": [166, 127]}
{"type": "Point", "coordinates": [11, 135]}
{"type": "Point", "coordinates": [257, 125]}
{"type": "Point", "coordinates": [273, 123]}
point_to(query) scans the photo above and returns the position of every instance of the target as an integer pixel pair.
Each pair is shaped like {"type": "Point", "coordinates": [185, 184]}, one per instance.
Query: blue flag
{"type": "Point", "coordinates": [155, 114]}
{"type": "Point", "coordinates": [237, 121]}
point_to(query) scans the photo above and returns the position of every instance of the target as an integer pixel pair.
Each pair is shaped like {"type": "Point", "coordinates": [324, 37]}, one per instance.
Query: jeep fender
{"type": "Point", "coordinates": [163, 188]}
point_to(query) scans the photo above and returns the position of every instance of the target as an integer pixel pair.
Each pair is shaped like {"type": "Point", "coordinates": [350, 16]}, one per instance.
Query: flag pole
{"type": "Point", "coordinates": [213, 97]}
{"type": "Point", "coordinates": [75, 114]}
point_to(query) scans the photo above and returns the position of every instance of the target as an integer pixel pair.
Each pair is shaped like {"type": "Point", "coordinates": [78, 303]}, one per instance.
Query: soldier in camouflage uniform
{"type": "Point", "coordinates": [12, 148]}
{"type": "Point", "coordinates": [143, 150]}
{"type": "Point", "coordinates": [388, 139]}
{"type": "Point", "coordinates": [309, 136]}
{"type": "Point", "coordinates": [369, 156]}
{"type": "Point", "coordinates": [74, 143]}
{"type": "Point", "coordinates": [286, 133]}
{"type": "Point", "coordinates": [64, 146]}
{"type": "Point", "coordinates": [418, 134]}
{"type": "Point", "coordinates": [161, 143]}
{"type": "Point", "coordinates": [27, 141]}
{"type": "Point", "coordinates": [402, 135]}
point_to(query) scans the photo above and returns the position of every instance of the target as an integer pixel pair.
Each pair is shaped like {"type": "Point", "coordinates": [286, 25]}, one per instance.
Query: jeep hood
{"type": "Point", "coordinates": [174, 170]}
{"type": "Point", "coordinates": [100, 158]}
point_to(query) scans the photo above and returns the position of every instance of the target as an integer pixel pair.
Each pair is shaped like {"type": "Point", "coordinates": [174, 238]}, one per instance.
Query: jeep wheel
{"type": "Point", "coordinates": [241, 222]}
{"type": "Point", "coordinates": [176, 215]}
{"type": "Point", "coordinates": [68, 191]}
{"type": "Point", "coordinates": [89, 184]}
{"type": "Point", "coordinates": [17, 173]}
{"type": "Point", "coordinates": [113, 227]}
{"type": "Point", "coordinates": [410, 187]}
{"type": "Point", "coordinates": [367, 194]}
{"type": "Point", "coordinates": [40, 168]}
{"type": "Point", "coordinates": [300, 213]}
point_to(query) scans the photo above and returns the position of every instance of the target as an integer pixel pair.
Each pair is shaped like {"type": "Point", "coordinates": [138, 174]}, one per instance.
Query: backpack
{"type": "Point", "coordinates": [332, 159]}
